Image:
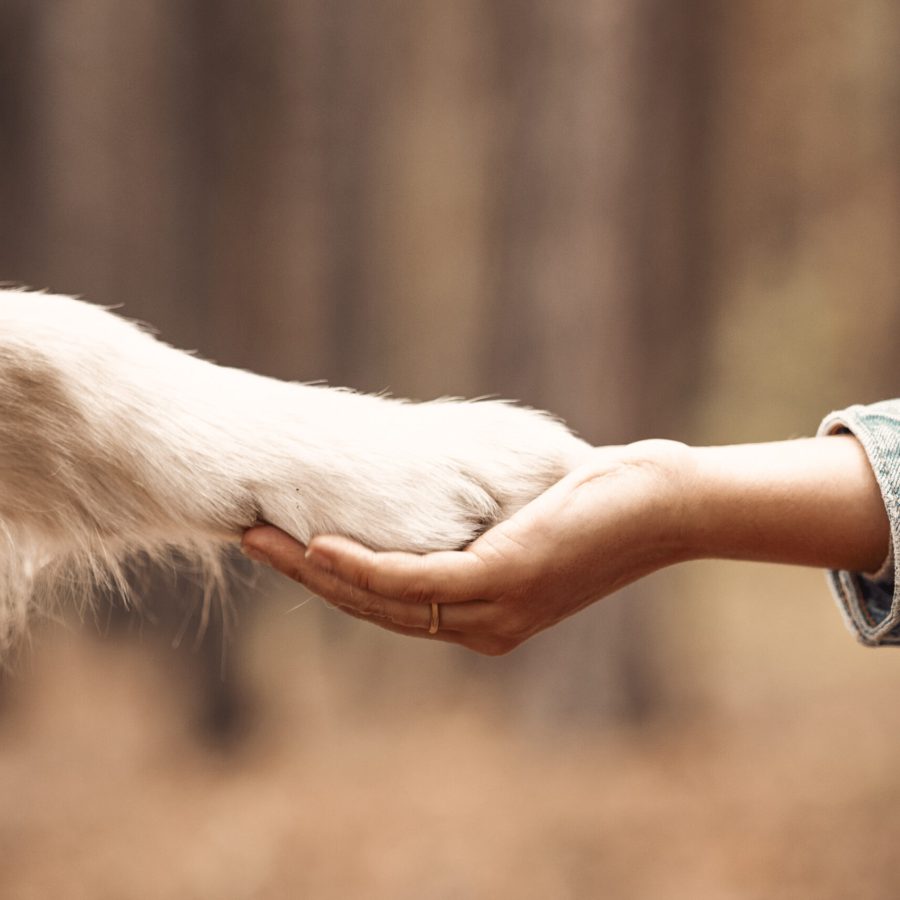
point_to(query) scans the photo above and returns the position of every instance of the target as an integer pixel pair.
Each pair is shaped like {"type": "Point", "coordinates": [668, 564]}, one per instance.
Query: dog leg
{"type": "Point", "coordinates": [113, 444]}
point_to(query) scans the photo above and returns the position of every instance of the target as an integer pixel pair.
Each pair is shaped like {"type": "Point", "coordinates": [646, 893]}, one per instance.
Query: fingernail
{"type": "Point", "coordinates": [256, 555]}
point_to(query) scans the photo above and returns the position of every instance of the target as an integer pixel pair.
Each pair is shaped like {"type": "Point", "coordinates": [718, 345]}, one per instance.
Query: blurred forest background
{"type": "Point", "coordinates": [653, 218]}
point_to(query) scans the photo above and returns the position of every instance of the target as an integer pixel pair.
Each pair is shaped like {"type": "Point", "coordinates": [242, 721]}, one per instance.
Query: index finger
{"type": "Point", "coordinates": [445, 576]}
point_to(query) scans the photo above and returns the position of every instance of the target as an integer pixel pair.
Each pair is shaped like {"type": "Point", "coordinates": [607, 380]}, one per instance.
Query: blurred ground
{"type": "Point", "coordinates": [362, 777]}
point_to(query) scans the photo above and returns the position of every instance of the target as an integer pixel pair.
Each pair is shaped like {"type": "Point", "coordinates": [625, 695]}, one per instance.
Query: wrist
{"type": "Point", "coordinates": [664, 524]}
{"type": "Point", "coordinates": [813, 501]}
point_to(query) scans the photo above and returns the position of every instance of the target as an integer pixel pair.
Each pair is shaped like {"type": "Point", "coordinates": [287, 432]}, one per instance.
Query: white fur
{"type": "Point", "coordinates": [113, 444]}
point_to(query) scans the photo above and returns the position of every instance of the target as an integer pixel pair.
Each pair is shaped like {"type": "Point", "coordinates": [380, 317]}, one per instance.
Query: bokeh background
{"type": "Point", "coordinates": [653, 218]}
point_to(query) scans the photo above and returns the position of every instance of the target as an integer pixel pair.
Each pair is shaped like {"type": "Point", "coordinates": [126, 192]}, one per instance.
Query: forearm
{"type": "Point", "coordinates": [809, 502]}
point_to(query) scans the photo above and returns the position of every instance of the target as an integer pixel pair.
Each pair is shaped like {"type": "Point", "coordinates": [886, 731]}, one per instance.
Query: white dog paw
{"type": "Point", "coordinates": [415, 477]}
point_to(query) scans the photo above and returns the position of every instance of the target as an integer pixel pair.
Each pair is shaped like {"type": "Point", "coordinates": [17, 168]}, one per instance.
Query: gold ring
{"type": "Point", "coordinates": [435, 618]}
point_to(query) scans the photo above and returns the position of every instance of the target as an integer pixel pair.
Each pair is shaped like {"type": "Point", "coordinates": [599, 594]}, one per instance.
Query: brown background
{"type": "Point", "coordinates": [655, 219]}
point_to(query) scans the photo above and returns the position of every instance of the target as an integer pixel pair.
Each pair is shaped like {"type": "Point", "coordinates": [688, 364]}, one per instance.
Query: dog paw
{"type": "Point", "coordinates": [416, 477]}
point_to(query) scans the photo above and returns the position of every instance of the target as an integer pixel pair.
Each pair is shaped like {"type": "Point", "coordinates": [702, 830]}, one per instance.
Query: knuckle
{"type": "Point", "coordinates": [419, 592]}
{"type": "Point", "coordinates": [360, 579]}
{"type": "Point", "coordinates": [295, 573]}
{"type": "Point", "coordinates": [371, 606]}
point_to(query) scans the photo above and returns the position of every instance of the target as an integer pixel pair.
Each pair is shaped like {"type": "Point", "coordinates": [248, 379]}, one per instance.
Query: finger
{"type": "Point", "coordinates": [266, 544]}
{"type": "Point", "coordinates": [445, 636]}
{"type": "Point", "coordinates": [448, 576]}
{"type": "Point", "coordinates": [471, 617]}
{"type": "Point", "coordinates": [486, 644]}
{"type": "Point", "coordinates": [287, 556]}
{"type": "Point", "coordinates": [460, 623]}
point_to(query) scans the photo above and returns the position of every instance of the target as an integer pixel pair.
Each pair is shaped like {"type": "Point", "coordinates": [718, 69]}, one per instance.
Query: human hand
{"type": "Point", "coordinates": [606, 524]}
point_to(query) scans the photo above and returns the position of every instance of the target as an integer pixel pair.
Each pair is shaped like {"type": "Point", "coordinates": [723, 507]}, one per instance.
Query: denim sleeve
{"type": "Point", "coordinates": [870, 603]}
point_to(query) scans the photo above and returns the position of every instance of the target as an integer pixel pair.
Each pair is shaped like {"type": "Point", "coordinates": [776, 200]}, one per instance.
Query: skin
{"type": "Point", "coordinates": [626, 512]}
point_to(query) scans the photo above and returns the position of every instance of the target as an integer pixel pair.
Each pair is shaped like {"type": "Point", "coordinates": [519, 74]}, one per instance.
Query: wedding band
{"type": "Point", "coordinates": [435, 618]}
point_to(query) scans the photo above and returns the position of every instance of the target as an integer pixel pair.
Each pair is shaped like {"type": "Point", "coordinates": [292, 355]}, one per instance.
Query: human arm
{"type": "Point", "coordinates": [623, 514]}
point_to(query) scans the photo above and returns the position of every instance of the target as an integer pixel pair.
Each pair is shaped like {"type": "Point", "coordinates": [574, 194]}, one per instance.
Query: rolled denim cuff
{"type": "Point", "coordinates": [870, 603]}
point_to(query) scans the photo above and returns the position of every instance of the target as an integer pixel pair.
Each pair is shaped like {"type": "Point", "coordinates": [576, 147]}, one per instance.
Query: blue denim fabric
{"type": "Point", "coordinates": [870, 603]}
